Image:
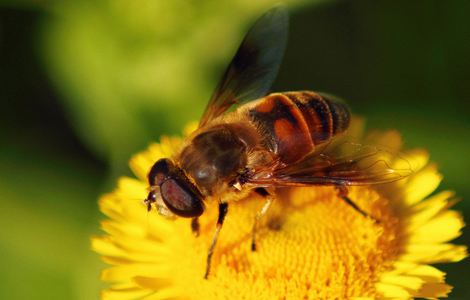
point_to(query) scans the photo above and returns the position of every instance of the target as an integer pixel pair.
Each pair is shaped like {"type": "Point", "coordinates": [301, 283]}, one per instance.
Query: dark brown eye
{"type": "Point", "coordinates": [180, 199]}
{"type": "Point", "coordinates": [160, 171]}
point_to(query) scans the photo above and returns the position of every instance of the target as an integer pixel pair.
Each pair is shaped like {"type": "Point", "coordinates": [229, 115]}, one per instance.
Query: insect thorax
{"type": "Point", "coordinates": [217, 155]}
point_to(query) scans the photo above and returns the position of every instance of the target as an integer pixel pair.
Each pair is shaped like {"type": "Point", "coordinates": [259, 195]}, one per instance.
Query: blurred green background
{"type": "Point", "coordinates": [85, 84]}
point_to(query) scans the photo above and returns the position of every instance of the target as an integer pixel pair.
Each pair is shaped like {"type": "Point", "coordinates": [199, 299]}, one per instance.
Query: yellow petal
{"type": "Point", "coordinates": [166, 293]}
{"type": "Point", "coordinates": [110, 205]}
{"type": "Point", "coordinates": [407, 282]}
{"type": "Point", "coordinates": [442, 228]}
{"type": "Point", "coordinates": [421, 184]}
{"type": "Point", "coordinates": [125, 272]}
{"type": "Point", "coordinates": [390, 139]}
{"type": "Point", "coordinates": [434, 290]}
{"type": "Point", "coordinates": [140, 245]}
{"type": "Point", "coordinates": [415, 159]}
{"type": "Point", "coordinates": [423, 211]}
{"type": "Point", "coordinates": [105, 246]}
{"type": "Point", "coordinates": [124, 293]}
{"type": "Point", "coordinates": [122, 228]}
{"type": "Point", "coordinates": [140, 165]}
{"type": "Point", "coordinates": [392, 291]}
{"type": "Point", "coordinates": [132, 190]}
{"type": "Point", "coordinates": [428, 273]}
{"type": "Point", "coordinates": [434, 253]}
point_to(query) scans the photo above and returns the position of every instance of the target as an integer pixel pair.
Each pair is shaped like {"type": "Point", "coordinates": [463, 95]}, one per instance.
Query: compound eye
{"type": "Point", "coordinates": [160, 171]}
{"type": "Point", "coordinates": [180, 200]}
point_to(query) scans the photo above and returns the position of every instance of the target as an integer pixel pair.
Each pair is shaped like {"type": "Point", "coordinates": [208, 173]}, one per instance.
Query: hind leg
{"type": "Point", "coordinates": [343, 194]}
{"type": "Point", "coordinates": [269, 200]}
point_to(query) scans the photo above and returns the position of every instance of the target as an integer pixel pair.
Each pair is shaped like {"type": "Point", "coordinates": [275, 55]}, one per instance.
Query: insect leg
{"type": "Point", "coordinates": [151, 198]}
{"type": "Point", "coordinates": [343, 194]}
{"type": "Point", "coordinates": [260, 214]}
{"type": "Point", "coordinates": [223, 208]}
{"type": "Point", "coordinates": [195, 226]}
{"type": "Point", "coordinates": [148, 203]}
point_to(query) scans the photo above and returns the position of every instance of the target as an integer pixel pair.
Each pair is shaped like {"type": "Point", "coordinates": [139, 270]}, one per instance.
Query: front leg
{"type": "Point", "coordinates": [223, 209]}
{"type": "Point", "coordinates": [195, 226]}
{"type": "Point", "coordinates": [269, 200]}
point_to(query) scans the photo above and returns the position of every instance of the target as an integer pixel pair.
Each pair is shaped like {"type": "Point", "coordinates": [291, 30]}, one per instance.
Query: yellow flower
{"type": "Point", "coordinates": [311, 245]}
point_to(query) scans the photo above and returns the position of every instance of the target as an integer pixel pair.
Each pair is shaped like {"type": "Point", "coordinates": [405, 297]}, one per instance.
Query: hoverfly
{"type": "Point", "coordinates": [268, 141]}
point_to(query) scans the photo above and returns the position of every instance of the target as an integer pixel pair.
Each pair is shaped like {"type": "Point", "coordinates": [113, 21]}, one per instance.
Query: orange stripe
{"type": "Point", "coordinates": [285, 122]}
{"type": "Point", "coordinates": [317, 114]}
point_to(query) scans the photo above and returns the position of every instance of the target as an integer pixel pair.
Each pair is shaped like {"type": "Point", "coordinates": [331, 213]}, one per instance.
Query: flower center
{"type": "Point", "coordinates": [311, 245]}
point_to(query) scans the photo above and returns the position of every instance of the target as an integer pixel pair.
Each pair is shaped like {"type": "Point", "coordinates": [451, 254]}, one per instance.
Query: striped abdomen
{"type": "Point", "coordinates": [298, 121]}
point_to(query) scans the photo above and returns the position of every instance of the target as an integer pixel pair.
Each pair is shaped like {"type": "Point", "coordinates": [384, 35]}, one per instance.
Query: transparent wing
{"type": "Point", "coordinates": [255, 65]}
{"type": "Point", "coordinates": [344, 164]}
